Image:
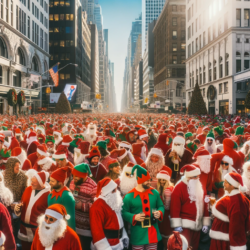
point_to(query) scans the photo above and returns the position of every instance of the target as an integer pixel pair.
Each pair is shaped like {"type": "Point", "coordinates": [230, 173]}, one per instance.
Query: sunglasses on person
{"type": "Point", "coordinates": [224, 163]}
{"type": "Point", "coordinates": [50, 219]}
{"type": "Point", "coordinates": [129, 174]}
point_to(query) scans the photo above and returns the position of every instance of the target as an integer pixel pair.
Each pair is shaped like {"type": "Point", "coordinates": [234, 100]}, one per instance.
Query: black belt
{"type": "Point", "coordinates": [153, 221]}
{"type": "Point", "coordinates": [113, 234]}
{"type": "Point", "coordinates": [28, 225]}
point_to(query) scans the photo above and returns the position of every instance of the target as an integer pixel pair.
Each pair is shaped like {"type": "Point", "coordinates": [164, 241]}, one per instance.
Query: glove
{"type": "Point", "coordinates": [205, 229]}
{"type": "Point", "coordinates": [178, 229]}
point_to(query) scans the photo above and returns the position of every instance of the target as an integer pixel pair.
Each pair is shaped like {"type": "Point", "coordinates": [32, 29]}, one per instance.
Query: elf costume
{"type": "Point", "coordinates": [136, 202]}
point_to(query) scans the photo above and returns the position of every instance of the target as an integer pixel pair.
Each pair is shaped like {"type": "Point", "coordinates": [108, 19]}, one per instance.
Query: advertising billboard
{"type": "Point", "coordinates": [70, 92]}
{"type": "Point", "coordinates": [54, 97]}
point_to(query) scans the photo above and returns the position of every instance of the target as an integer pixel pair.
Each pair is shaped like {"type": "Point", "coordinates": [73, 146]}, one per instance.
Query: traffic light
{"type": "Point", "coordinates": [146, 100]}
{"type": "Point", "coordinates": [98, 96]}
{"type": "Point", "coordinates": [155, 95]}
{"type": "Point", "coordinates": [48, 90]}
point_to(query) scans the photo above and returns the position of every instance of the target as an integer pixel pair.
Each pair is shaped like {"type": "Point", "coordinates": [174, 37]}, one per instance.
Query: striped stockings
{"type": "Point", "coordinates": [152, 246]}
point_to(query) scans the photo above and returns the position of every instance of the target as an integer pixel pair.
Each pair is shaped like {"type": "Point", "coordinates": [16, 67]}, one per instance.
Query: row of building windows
{"type": "Point", "coordinates": [62, 43]}
{"type": "Point", "coordinates": [61, 17]}
{"type": "Point", "coordinates": [66, 30]}
{"type": "Point", "coordinates": [59, 3]}
{"type": "Point", "coordinates": [61, 56]}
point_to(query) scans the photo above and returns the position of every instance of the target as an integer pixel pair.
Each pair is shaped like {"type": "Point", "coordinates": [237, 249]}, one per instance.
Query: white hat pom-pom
{"type": "Point", "coordinates": [67, 217]}
{"type": "Point", "coordinates": [243, 189]}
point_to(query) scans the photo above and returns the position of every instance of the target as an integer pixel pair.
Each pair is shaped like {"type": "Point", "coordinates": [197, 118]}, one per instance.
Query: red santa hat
{"type": "Point", "coordinates": [58, 133]}
{"type": "Point", "coordinates": [42, 177]}
{"type": "Point", "coordinates": [32, 134]}
{"type": "Point", "coordinates": [235, 180]}
{"type": "Point", "coordinates": [60, 153]}
{"type": "Point", "coordinates": [57, 211]}
{"type": "Point", "coordinates": [190, 171]}
{"type": "Point", "coordinates": [105, 186]}
{"type": "Point", "coordinates": [179, 140]}
{"type": "Point", "coordinates": [60, 174]}
{"type": "Point", "coordinates": [94, 152]}
{"type": "Point", "coordinates": [125, 144]}
{"type": "Point", "coordinates": [142, 134]}
{"type": "Point", "coordinates": [201, 153]}
{"type": "Point", "coordinates": [67, 139]}
{"type": "Point", "coordinates": [83, 147]}
{"type": "Point", "coordinates": [16, 152]}
{"type": "Point", "coordinates": [42, 150]}
{"type": "Point", "coordinates": [206, 128]}
{"type": "Point", "coordinates": [14, 143]}
{"type": "Point", "coordinates": [18, 132]}
{"type": "Point", "coordinates": [165, 173]}
{"type": "Point", "coordinates": [156, 151]}
{"type": "Point", "coordinates": [128, 167]}
{"type": "Point", "coordinates": [2, 238]}
{"type": "Point", "coordinates": [118, 154]}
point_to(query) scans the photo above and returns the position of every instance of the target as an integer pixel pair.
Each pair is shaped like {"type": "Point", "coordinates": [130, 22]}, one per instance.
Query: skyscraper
{"type": "Point", "coordinates": [98, 18]}
{"type": "Point", "coordinates": [106, 39]}
{"type": "Point", "coordinates": [135, 32]}
{"type": "Point", "coordinates": [151, 9]}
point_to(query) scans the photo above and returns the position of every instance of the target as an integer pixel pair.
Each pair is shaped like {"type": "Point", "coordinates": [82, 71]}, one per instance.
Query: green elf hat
{"type": "Point", "coordinates": [102, 144]}
{"type": "Point", "coordinates": [192, 146]}
{"type": "Point", "coordinates": [82, 170]}
{"type": "Point", "coordinates": [50, 138]}
{"type": "Point", "coordinates": [210, 135]}
{"type": "Point", "coordinates": [235, 145]}
{"type": "Point", "coordinates": [189, 134]}
{"type": "Point", "coordinates": [142, 174]}
{"type": "Point", "coordinates": [219, 130]}
{"type": "Point", "coordinates": [239, 131]}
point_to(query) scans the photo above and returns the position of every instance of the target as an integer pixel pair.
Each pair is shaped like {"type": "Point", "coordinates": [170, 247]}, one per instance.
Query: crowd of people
{"type": "Point", "coordinates": [124, 181]}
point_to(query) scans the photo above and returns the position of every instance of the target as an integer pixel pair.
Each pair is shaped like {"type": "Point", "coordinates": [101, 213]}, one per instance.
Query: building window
{"type": "Point", "coordinates": [227, 69]}
{"type": "Point", "coordinates": [62, 43]}
{"type": "Point", "coordinates": [61, 3]}
{"type": "Point", "coordinates": [41, 38]}
{"type": "Point", "coordinates": [7, 11]}
{"type": "Point", "coordinates": [246, 17]}
{"type": "Point", "coordinates": [174, 21]}
{"type": "Point", "coordinates": [174, 34]}
{"type": "Point", "coordinates": [2, 9]}
{"type": "Point", "coordinates": [238, 17]}
{"type": "Point", "coordinates": [3, 48]}
{"type": "Point", "coordinates": [204, 38]}
{"type": "Point", "coordinates": [238, 66]}
{"type": "Point", "coordinates": [174, 47]}
{"type": "Point", "coordinates": [246, 64]}
{"type": "Point", "coordinates": [183, 35]}
{"type": "Point", "coordinates": [69, 17]}
{"type": "Point", "coordinates": [209, 34]}
{"type": "Point", "coordinates": [183, 47]}
{"type": "Point", "coordinates": [62, 77]}
{"type": "Point", "coordinates": [56, 17]}
{"type": "Point", "coordinates": [204, 75]}
{"type": "Point", "coordinates": [220, 88]}
{"type": "Point", "coordinates": [210, 75]}
{"type": "Point", "coordinates": [221, 70]}
{"type": "Point", "coordinates": [46, 42]}
{"type": "Point", "coordinates": [225, 87]}
{"type": "Point", "coordinates": [225, 21]}
{"type": "Point", "coordinates": [11, 12]}
{"type": "Point", "coordinates": [61, 17]}
{"type": "Point", "coordinates": [67, 3]}
{"type": "Point", "coordinates": [174, 60]}
{"type": "Point", "coordinates": [174, 8]}
{"type": "Point", "coordinates": [28, 27]}
{"type": "Point", "coordinates": [35, 66]}
{"type": "Point", "coordinates": [20, 57]}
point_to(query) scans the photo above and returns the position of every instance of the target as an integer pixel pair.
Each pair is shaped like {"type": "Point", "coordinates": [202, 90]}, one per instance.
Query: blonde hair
{"type": "Point", "coordinates": [160, 189]}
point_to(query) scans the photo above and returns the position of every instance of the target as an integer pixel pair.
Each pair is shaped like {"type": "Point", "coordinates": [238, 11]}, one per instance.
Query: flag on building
{"type": "Point", "coordinates": [54, 74]}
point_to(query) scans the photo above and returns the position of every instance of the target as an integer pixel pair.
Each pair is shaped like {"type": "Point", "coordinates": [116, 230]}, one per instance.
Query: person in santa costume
{"type": "Point", "coordinates": [126, 145]}
{"type": "Point", "coordinates": [8, 239]}
{"type": "Point", "coordinates": [138, 151]}
{"type": "Point", "coordinates": [203, 158]}
{"type": "Point", "coordinates": [81, 152]}
{"type": "Point", "coordinates": [50, 144]}
{"type": "Point", "coordinates": [53, 233]}
{"type": "Point", "coordinates": [61, 194]}
{"type": "Point", "coordinates": [90, 134]}
{"type": "Point", "coordinates": [6, 196]}
{"type": "Point", "coordinates": [32, 143]}
{"type": "Point", "coordinates": [106, 222]}
{"type": "Point", "coordinates": [143, 208]}
{"type": "Point", "coordinates": [58, 138]}
{"type": "Point", "coordinates": [154, 163]}
{"type": "Point", "coordinates": [165, 189]}
{"type": "Point", "coordinates": [40, 134]}
{"type": "Point", "coordinates": [60, 157]}
{"type": "Point", "coordinates": [105, 156]}
{"type": "Point", "coordinates": [245, 150]}
{"type": "Point", "coordinates": [121, 155]}
{"type": "Point", "coordinates": [46, 164]}
{"type": "Point", "coordinates": [30, 173]}
{"type": "Point", "coordinates": [98, 171]}
{"type": "Point", "coordinates": [188, 208]}
{"type": "Point", "coordinates": [231, 214]}
{"type": "Point", "coordinates": [210, 144]}
{"type": "Point", "coordinates": [246, 178]}
{"type": "Point", "coordinates": [40, 151]}
{"type": "Point", "coordinates": [131, 136]}
{"type": "Point", "coordinates": [21, 155]}
{"type": "Point", "coordinates": [177, 157]}
{"type": "Point", "coordinates": [202, 137]}
{"type": "Point", "coordinates": [114, 169]}
{"type": "Point", "coordinates": [177, 242]}
{"type": "Point", "coordinates": [220, 135]}
{"type": "Point", "coordinates": [162, 143]}
{"type": "Point", "coordinates": [84, 190]}
{"type": "Point", "coordinates": [143, 138]}
{"type": "Point", "coordinates": [32, 205]}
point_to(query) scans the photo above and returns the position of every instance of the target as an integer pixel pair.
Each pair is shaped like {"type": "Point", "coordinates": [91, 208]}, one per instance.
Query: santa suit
{"type": "Point", "coordinates": [183, 213]}
{"type": "Point", "coordinates": [98, 172]}
{"type": "Point", "coordinates": [70, 241]}
{"type": "Point", "coordinates": [102, 218]}
{"type": "Point", "coordinates": [32, 147]}
{"type": "Point", "coordinates": [34, 205]}
{"type": "Point", "coordinates": [52, 168]}
{"type": "Point", "coordinates": [26, 165]}
{"type": "Point", "coordinates": [230, 225]}
{"type": "Point", "coordinates": [202, 138]}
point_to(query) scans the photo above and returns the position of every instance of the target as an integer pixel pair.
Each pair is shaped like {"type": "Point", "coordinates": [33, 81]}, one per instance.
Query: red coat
{"type": "Point", "coordinates": [183, 212]}
{"type": "Point", "coordinates": [98, 173]}
{"type": "Point", "coordinates": [102, 217]}
{"type": "Point", "coordinates": [70, 241]}
{"type": "Point", "coordinates": [231, 221]}
{"type": "Point", "coordinates": [33, 158]}
{"type": "Point", "coordinates": [32, 147]}
{"type": "Point", "coordinates": [33, 207]}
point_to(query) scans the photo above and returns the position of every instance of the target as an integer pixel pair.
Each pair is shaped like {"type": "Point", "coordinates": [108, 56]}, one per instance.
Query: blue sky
{"type": "Point", "coordinates": [118, 16]}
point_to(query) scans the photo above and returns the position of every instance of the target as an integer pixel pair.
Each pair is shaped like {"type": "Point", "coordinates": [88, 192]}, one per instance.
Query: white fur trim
{"type": "Point", "coordinates": [45, 160]}
{"type": "Point", "coordinates": [219, 215]}
{"type": "Point", "coordinates": [2, 239]}
{"type": "Point", "coordinates": [232, 181]}
{"type": "Point", "coordinates": [77, 150]}
{"type": "Point", "coordinates": [42, 152]}
{"type": "Point", "coordinates": [6, 144]}
{"type": "Point", "coordinates": [234, 192]}
{"type": "Point", "coordinates": [108, 188]}
{"type": "Point", "coordinates": [238, 248]}
{"type": "Point", "coordinates": [83, 232]}
{"type": "Point", "coordinates": [102, 244]}
{"type": "Point", "coordinates": [192, 173]}
{"type": "Point", "coordinates": [191, 224]}
{"type": "Point", "coordinates": [216, 235]}
{"type": "Point", "coordinates": [211, 138]}
{"type": "Point", "coordinates": [228, 159]}
{"type": "Point", "coordinates": [57, 133]}
{"type": "Point", "coordinates": [62, 156]}
{"type": "Point", "coordinates": [204, 157]}
{"type": "Point", "coordinates": [125, 145]}
{"type": "Point", "coordinates": [207, 221]}
{"type": "Point", "coordinates": [53, 214]}
{"type": "Point", "coordinates": [179, 140]}
{"type": "Point", "coordinates": [156, 151]}
{"type": "Point", "coordinates": [65, 144]}
{"type": "Point", "coordinates": [184, 242]}
{"type": "Point", "coordinates": [163, 176]}
{"type": "Point", "coordinates": [39, 179]}
{"type": "Point", "coordinates": [176, 222]}
{"type": "Point", "coordinates": [121, 157]}
{"type": "Point", "coordinates": [143, 136]}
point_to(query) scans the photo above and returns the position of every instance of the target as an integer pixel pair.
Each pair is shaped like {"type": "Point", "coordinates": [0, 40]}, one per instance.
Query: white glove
{"type": "Point", "coordinates": [178, 229]}
{"type": "Point", "coordinates": [205, 229]}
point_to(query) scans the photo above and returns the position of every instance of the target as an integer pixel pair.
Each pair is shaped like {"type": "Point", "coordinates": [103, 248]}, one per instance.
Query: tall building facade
{"type": "Point", "coordinates": [98, 18]}
{"type": "Point", "coordinates": [70, 42]}
{"type": "Point", "coordinates": [24, 38]}
{"type": "Point", "coordinates": [218, 45]}
{"type": "Point", "coordinates": [169, 55]}
{"type": "Point", "coordinates": [151, 9]}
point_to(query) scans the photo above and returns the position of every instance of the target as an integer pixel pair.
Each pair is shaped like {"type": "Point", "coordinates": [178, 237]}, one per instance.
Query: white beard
{"type": "Point", "coordinates": [196, 194]}
{"type": "Point", "coordinates": [58, 140]}
{"type": "Point", "coordinates": [114, 200]}
{"type": "Point", "coordinates": [211, 149]}
{"type": "Point", "coordinates": [51, 151]}
{"type": "Point", "coordinates": [90, 138]}
{"type": "Point", "coordinates": [179, 149]}
{"type": "Point", "coordinates": [154, 167]}
{"type": "Point", "coordinates": [127, 184]}
{"type": "Point", "coordinates": [30, 173]}
{"type": "Point", "coordinates": [79, 159]}
{"type": "Point", "coordinates": [49, 236]}
{"type": "Point", "coordinates": [204, 164]}
{"type": "Point", "coordinates": [223, 174]}
{"type": "Point", "coordinates": [246, 181]}
{"type": "Point", "coordinates": [6, 196]}
{"type": "Point", "coordinates": [22, 157]}
{"type": "Point", "coordinates": [47, 165]}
